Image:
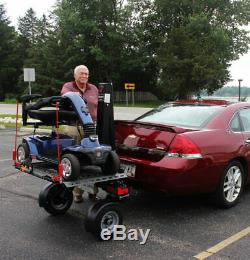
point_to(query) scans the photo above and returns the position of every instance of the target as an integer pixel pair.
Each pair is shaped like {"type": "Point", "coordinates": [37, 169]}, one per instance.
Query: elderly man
{"type": "Point", "coordinates": [85, 89]}
{"type": "Point", "coordinates": [90, 93]}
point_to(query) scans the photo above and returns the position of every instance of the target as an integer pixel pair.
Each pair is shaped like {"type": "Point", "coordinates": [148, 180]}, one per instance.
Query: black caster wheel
{"type": "Point", "coordinates": [112, 198]}
{"type": "Point", "coordinates": [55, 198]}
{"type": "Point", "coordinates": [103, 215]}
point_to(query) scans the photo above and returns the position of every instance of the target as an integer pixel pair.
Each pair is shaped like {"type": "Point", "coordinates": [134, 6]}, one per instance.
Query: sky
{"type": "Point", "coordinates": [239, 69]}
{"type": "Point", "coordinates": [16, 8]}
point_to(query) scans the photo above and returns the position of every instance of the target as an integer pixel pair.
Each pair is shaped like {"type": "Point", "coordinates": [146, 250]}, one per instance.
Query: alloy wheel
{"type": "Point", "coordinates": [232, 183]}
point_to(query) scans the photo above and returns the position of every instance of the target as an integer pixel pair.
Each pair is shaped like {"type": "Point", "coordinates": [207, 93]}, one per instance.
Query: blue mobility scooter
{"type": "Point", "coordinates": [58, 159]}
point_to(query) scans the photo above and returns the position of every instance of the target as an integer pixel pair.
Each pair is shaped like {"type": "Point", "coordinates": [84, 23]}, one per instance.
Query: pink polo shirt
{"type": "Point", "coordinates": [90, 94]}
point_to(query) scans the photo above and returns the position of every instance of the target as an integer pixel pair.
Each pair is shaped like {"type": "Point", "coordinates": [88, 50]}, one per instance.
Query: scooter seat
{"type": "Point", "coordinates": [48, 117]}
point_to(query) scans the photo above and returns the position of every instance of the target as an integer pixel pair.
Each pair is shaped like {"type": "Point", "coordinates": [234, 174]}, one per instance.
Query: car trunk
{"type": "Point", "coordinates": [144, 140]}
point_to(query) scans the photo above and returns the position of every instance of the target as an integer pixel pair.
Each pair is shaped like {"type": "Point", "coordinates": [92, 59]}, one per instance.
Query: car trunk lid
{"type": "Point", "coordinates": [144, 140]}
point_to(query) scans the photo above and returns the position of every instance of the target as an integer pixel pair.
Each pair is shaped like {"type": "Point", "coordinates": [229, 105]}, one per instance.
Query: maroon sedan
{"type": "Point", "coordinates": [188, 147]}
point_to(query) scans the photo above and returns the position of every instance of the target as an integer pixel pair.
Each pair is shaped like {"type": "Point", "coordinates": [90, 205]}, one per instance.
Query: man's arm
{"type": "Point", "coordinates": [64, 89]}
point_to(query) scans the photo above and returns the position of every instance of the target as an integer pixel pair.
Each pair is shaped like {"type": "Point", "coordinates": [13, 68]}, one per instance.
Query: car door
{"type": "Point", "coordinates": [244, 115]}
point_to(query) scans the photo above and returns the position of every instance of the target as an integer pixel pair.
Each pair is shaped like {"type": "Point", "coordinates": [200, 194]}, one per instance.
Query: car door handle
{"type": "Point", "coordinates": [247, 141]}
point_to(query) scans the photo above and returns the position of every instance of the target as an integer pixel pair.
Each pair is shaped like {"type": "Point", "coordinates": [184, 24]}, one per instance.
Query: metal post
{"type": "Point", "coordinates": [29, 88]}
{"type": "Point", "coordinates": [239, 87]}
{"type": "Point", "coordinates": [133, 97]}
{"type": "Point", "coordinates": [126, 97]}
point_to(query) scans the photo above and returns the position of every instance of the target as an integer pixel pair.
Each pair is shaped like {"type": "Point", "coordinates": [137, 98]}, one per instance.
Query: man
{"type": "Point", "coordinates": [90, 93]}
{"type": "Point", "coordinates": [85, 89]}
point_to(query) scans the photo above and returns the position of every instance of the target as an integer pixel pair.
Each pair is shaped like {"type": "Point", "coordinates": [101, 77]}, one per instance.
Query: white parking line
{"type": "Point", "coordinates": [223, 244]}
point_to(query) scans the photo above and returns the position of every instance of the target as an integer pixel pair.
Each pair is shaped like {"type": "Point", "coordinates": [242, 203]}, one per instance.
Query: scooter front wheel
{"type": "Point", "coordinates": [71, 167]}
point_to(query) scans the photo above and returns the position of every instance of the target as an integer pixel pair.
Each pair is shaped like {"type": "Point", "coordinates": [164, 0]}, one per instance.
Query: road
{"type": "Point", "coordinates": [126, 113]}
{"type": "Point", "coordinates": [181, 228]}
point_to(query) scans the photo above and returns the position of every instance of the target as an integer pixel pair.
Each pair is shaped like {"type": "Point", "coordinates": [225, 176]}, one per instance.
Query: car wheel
{"type": "Point", "coordinates": [22, 152]}
{"type": "Point", "coordinates": [71, 167]}
{"type": "Point", "coordinates": [103, 215]}
{"type": "Point", "coordinates": [55, 198]}
{"type": "Point", "coordinates": [231, 185]}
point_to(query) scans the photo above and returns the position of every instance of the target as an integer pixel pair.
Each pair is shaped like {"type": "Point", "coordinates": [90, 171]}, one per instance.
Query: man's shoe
{"type": "Point", "coordinates": [78, 199]}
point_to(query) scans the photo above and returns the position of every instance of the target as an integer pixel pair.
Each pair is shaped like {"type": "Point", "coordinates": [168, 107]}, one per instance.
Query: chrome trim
{"type": "Point", "coordinates": [185, 156]}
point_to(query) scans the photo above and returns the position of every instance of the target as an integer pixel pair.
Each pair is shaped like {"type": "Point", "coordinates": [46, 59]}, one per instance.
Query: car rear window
{"type": "Point", "coordinates": [194, 116]}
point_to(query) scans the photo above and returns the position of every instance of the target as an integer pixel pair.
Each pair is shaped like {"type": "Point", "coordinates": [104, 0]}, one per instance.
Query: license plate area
{"type": "Point", "coordinates": [128, 168]}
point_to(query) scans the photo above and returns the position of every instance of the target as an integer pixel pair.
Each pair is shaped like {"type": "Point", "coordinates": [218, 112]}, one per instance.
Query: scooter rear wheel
{"type": "Point", "coordinates": [22, 152]}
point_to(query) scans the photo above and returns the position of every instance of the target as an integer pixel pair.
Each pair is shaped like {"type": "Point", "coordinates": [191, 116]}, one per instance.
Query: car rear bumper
{"type": "Point", "coordinates": [175, 175]}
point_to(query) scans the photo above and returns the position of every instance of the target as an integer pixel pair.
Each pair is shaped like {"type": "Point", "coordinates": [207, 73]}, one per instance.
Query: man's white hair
{"type": "Point", "coordinates": [80, 67]}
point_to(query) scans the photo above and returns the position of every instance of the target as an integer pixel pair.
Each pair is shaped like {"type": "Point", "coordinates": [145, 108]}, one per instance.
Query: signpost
{"type": "Point", "coordinates": [130, 86]}
{"type": "Point", "coordinates": [29, 76]}
{"type": "Point", "coordinates": [240, 80]}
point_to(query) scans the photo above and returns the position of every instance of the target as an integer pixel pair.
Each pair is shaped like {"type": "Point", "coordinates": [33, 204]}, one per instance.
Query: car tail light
{"type": "Point", "coordinates": [184, 148]}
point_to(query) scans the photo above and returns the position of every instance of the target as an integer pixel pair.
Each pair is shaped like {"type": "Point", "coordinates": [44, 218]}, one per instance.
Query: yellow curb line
{"type": "Point", "coordinates": [223, 244]}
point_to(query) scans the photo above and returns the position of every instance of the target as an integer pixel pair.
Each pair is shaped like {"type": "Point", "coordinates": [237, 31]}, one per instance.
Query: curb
{"type": "Point", "coordinates": [39, 130]}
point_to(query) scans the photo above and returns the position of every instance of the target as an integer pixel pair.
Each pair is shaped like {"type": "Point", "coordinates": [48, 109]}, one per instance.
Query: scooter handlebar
{"type": "Point", "coordinates": [27, 98]}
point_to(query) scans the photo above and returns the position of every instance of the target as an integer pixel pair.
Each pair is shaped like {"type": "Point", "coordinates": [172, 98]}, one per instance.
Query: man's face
{"type": "Point", "coordinates": [82, 75]}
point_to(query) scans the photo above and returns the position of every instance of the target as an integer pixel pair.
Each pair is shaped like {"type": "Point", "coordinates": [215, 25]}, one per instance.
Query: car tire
{"type": "Point", "coordinates": [22, 152]}
{"type": "Point", "coordinates": [71, 167]}
{"type": "Point", "coordinates": [231, 185]}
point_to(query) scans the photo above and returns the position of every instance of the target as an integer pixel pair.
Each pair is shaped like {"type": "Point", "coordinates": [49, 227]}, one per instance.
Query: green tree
{"type": "Point", "coordinates": [9, 66]}
{"type": "Point", "coordinates": [140, 44]}
{"type": "Point", "coordinates": [200, 39]}
{"type": "Point", "coordinates": [90, 32]}
{"type": "Point", "coordinates": [27, 26]}
{"type": "Point", "coordinates": [36, 35]}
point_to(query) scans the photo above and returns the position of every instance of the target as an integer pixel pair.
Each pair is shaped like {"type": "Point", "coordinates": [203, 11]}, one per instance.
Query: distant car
{"type": "Point", "coordinates": [187, 147]}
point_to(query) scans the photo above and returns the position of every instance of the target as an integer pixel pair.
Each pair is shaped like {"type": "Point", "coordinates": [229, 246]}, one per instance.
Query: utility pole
{"type": "Point", "coordinates": [239, 87]}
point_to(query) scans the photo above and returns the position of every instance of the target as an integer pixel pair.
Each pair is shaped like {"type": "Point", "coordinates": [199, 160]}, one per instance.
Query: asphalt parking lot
{"type": "Point", "coordinates": [181, 228]}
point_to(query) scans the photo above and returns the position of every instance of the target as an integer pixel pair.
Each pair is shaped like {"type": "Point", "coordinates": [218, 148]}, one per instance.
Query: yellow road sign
{"type": "Point", "coordinates": [130, 86]}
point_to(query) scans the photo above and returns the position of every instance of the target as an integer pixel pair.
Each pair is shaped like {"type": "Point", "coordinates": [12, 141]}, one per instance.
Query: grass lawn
{"type": "Point", "coordinates": [8, 101]}
{"type": "Point", "coordinates": [8, 115]}
{"type": "Point", "coordinates": [13, 124]}
{"type": "Point", "coordinates": [10, 124]}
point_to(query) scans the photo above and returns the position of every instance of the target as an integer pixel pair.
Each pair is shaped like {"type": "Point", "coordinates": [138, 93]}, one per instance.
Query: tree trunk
{"type": "Point", "coordinates": [2, 94]}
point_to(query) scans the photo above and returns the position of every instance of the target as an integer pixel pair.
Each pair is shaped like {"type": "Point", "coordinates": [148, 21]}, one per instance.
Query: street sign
{"type": "Point", "coordinates": [130, 86]}
{"type": "Point", "coordinates": [29, 74]}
